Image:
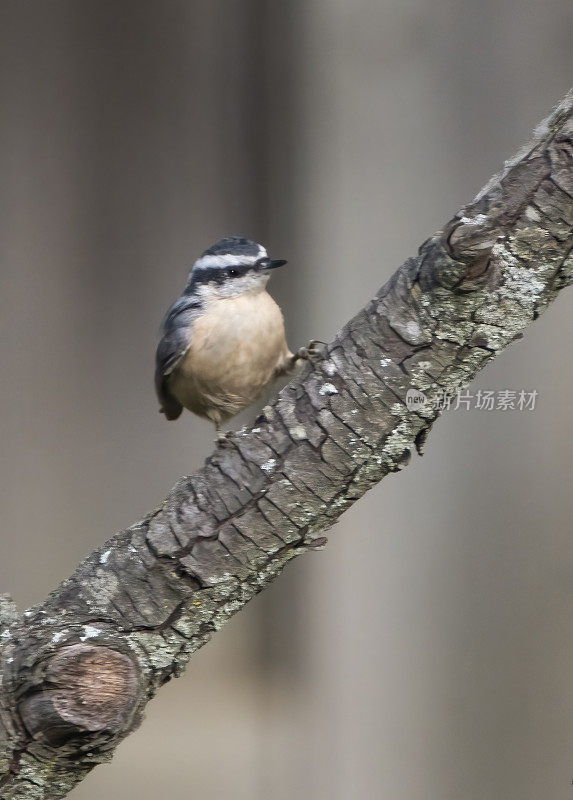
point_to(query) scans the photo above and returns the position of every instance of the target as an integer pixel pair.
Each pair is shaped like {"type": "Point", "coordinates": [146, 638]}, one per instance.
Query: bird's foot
{"type": "Point", "coordinates": [312, 352]}
{"type": "Point", "coordinates": [223, 439]}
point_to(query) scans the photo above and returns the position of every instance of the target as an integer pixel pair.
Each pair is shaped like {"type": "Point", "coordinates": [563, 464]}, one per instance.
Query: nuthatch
{"type": "Point", "coordinates": [223, 341]}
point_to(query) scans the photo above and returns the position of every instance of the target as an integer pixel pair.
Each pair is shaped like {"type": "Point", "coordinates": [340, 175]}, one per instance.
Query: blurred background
{"type": "Point", "coordinates": [341, 134]}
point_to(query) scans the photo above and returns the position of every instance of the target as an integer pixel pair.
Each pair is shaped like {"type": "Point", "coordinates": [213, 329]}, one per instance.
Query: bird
{"type": "Point", "coordinates": [223, 341]}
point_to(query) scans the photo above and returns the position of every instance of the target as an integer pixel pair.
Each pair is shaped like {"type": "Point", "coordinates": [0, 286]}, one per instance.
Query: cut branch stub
{"type": "Point", "coordinates": [87, 696]}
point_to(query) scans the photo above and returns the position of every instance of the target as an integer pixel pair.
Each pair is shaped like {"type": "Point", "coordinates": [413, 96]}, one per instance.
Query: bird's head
{"type": "Point", "coordinates": [232, 267]}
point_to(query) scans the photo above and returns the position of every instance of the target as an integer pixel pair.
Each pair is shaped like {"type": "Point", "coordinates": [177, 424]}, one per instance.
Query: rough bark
{"type": "Point", "coordinates": [78, 670]}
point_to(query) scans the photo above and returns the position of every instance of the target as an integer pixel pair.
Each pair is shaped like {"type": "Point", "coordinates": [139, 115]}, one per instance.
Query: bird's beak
{"type": "Point", "coordinates": [274, 264]}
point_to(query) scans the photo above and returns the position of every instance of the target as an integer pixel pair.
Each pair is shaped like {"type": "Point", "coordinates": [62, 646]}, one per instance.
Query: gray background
{"type": "Point", "coordinates": [426, 654]}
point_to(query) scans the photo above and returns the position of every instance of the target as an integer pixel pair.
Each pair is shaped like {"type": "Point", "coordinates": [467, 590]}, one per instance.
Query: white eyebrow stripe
{"type": "Point", "coordinates": [228, 259]}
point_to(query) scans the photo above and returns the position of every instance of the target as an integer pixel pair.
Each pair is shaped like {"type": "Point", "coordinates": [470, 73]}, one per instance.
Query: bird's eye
{"type": "Point", "coordinates": [233, 273]}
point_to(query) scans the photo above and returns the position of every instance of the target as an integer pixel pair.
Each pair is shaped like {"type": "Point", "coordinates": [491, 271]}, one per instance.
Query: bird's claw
{"type": "Point", "coordinates": [224, 439]}
{"type": "Point", "coordinates": [314, 350]}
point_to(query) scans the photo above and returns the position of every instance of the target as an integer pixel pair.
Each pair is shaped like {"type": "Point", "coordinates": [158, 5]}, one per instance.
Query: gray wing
{"type": "Point", "coordinates": [175, 342]}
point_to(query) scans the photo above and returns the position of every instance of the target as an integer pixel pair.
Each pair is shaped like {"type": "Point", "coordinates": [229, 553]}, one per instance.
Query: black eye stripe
{"type": "Point", "coordinates": [219, 275]}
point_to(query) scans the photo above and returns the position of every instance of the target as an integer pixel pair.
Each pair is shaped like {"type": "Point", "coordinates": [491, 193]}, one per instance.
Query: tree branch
{"type": "Point", "coordinates": [79, 669]}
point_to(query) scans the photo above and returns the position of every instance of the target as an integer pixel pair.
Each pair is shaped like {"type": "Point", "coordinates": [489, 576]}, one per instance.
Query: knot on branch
{"type": "Point", "coordinates": [87, 697]}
